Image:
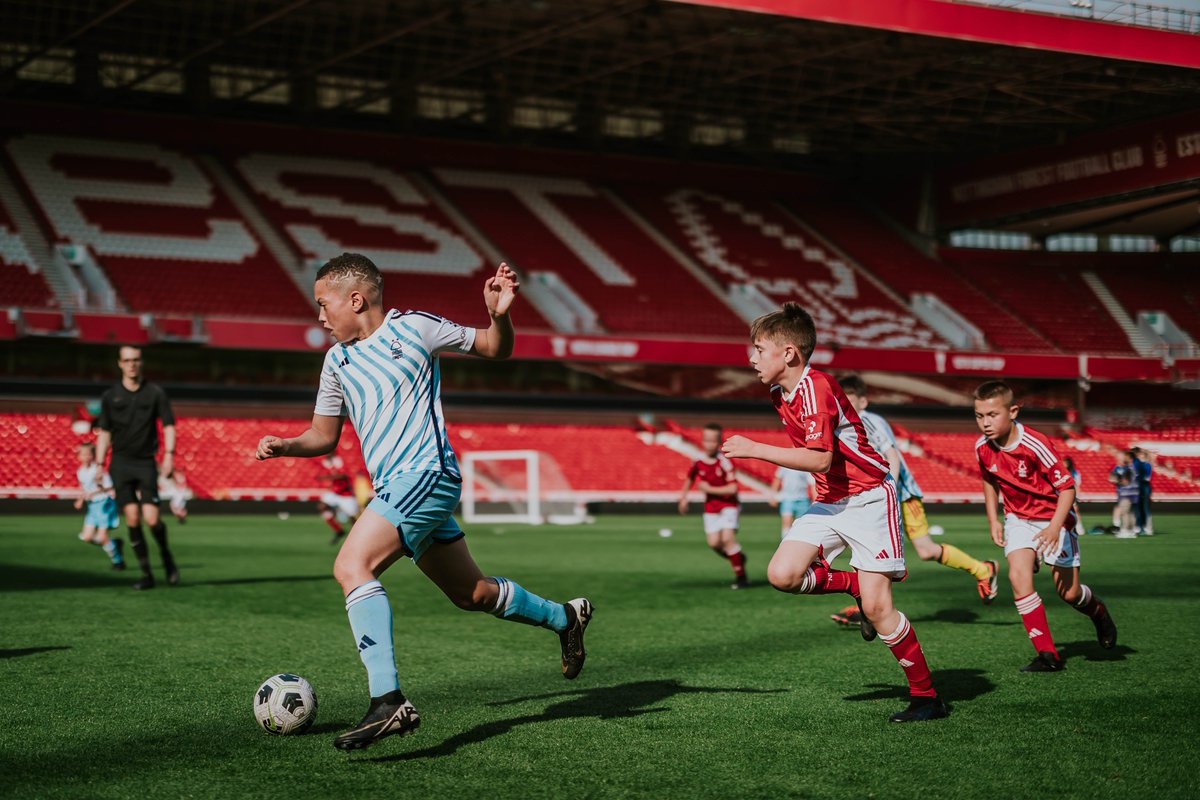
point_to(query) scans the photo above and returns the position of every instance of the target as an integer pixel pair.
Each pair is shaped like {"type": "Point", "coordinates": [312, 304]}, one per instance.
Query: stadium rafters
{"type": "Point", "coordinates": [645, 75]}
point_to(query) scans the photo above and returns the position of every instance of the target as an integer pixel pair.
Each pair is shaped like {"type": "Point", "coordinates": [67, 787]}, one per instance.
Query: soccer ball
{"type": "Point", "coordinates": [285, 703]}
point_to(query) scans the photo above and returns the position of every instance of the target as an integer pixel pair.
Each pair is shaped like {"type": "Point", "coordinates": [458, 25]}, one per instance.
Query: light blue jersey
{"type": "Point", "coordinates": [97, 488]}
{"type": "Point", "coordinates": [881, 436]}
{"type": "Point", "coordinates": [389, 384]}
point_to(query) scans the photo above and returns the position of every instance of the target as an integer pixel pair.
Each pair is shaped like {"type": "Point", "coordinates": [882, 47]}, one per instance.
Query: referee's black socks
{"type": "Point", "coordinates": [159, 529]}
{"type": "Point", "coordinates": [137, 540]}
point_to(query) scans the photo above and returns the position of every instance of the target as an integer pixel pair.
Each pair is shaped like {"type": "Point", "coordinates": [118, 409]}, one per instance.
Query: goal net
{"type": "Point", "coordinates": [517, 486]}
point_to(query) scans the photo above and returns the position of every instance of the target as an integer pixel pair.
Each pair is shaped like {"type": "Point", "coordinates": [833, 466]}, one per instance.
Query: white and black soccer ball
{"type": "Point", "coordinates": [285, 703]}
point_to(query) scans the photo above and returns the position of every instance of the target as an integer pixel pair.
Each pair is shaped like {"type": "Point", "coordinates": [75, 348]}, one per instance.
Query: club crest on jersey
{"type": "Point", "coordinates": [1022, 470]}
{"type": "Point", "coordinates": [397, 349]}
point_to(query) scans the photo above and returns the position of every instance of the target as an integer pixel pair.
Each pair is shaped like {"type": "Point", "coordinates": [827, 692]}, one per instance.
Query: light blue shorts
{"type": "Point", "coordinates": [420, 505]}
{"type": "Point", "coordinates": [102, 514]}
{"type": "Point", "coordinates": [797, 508]}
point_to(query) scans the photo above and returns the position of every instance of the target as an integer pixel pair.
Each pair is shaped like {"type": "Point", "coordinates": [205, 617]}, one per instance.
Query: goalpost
{"type": "Point", "coordinates": [517, 486]}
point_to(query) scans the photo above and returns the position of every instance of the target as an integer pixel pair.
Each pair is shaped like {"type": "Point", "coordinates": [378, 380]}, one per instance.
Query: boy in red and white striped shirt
{"type": "Point", "coordinates": [1022, 466]}
{"type": "Point", "coordinates": [856, 503]}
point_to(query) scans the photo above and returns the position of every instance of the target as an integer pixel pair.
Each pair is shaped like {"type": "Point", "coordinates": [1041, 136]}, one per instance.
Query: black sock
{"type": "Point", "coordinates": [137, 540]}
{"type": "Point", "coordinates": [159, 531]}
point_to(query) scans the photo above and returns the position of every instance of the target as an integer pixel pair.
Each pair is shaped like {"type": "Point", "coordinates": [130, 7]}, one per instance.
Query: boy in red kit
{"type": "Point", "coordinates": [856, 498]}
{"type": "Point", "coordinates": [714, 475]}
{"type": "Point", "coordinates": [1021, 465]}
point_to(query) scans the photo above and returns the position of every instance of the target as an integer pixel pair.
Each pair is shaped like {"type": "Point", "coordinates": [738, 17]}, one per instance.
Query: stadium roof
{"type": "Point", "coordinates": [614, 74]}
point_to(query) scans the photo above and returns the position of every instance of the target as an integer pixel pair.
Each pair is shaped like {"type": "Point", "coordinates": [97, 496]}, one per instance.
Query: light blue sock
{"type": "Point", "coordinates": [371, 620]}
{"type": "Point", "coordinates": [518, 605]}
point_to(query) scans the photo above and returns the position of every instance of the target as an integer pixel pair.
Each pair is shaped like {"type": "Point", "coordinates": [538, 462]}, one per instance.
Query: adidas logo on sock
{"type": "Point", "coordinates": [365, 642]}
{"type": "Point", "coordinates": [904, 662]}
{"type": "Point", "coordinates": [1032, 632]}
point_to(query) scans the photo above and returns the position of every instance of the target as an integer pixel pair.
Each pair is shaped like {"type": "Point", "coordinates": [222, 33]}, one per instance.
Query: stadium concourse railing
{"type": "Point", "coordinates": [273, 334]}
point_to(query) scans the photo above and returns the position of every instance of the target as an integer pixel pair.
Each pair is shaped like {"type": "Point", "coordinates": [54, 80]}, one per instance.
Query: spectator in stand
{"type": "Point", "coordinates": [1124, 478]}
{"type": "Point", "coordinates": [1143, 468]}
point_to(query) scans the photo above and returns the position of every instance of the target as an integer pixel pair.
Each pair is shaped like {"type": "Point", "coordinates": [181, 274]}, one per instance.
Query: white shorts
{"type": "Point", "coordinates": [868, 523]}
{"type": "Point", "coordinates": [345, 506]}
{"type": "Point", "coordinates": [726, 518]}
{"type": "Point", "coordinates": [1019, 533]}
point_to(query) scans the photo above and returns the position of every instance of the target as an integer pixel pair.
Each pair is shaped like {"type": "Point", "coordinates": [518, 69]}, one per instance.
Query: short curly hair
{"type": "Point", "coordinates": [353, 267]}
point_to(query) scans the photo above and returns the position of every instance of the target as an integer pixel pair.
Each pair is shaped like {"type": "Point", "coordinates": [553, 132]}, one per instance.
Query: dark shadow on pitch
{"type": "Point", "coordinates": [259, 579]}
{"type": "Point", "coordinates": [25, 577]}
{"type": "Point", "coordinates": [29, 651]}
{"type": "Point", "coordinates": [605, 702]}
{"type": "Point", "coordinates": [1090, 650]}
{"type": "Point", "coordinates": [962, 616]}
{"type": "Point", "coordinates": [953, 685]}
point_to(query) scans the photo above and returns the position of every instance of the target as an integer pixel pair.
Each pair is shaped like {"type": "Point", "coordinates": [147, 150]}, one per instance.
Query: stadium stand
{"type": "Point", "coordinates": [1146, 282]}
{"type": "Point", "coordinates": [907, 270]}
{"type": "Point", "coordinates": [217, 454]}
{"type": "Point", "coordinates": [592, 457]}
{"type": "Point", "coordinates": [21, 283]}
{"type": "Point", "coordinates": [1063, 308]}
{"type": "Point", "coordinates": [326, 206]}
{"type": "Point", "coordinates": [567, 227]}
{"type": "Point", "coordinates": [751, 246]}
{"type": "Point", "coordinates": [166, 235]}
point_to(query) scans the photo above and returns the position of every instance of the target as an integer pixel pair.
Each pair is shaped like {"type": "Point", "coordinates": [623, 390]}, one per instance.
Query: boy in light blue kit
{"type": "Point", "coordinates": [96, 491]}
{"type": "Point", "coordinates": [383, 373]}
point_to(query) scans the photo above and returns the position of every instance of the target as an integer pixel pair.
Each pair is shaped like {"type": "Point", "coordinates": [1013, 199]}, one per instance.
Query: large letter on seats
{"type": "Point", "coordinates": [227, 240]}
{"type": "Point", "coordinates": [534, 193]}
{"type": "Point", "coordinates": [451, 254]}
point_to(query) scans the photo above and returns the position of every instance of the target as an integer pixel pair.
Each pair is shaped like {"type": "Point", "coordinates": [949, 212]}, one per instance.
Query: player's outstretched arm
{"type": "Point", "coordinates": [321, 437]}
{"type": "Point", "coordinates": [499, 292]}
{"type": "Point", "coordinates": [800, 458]}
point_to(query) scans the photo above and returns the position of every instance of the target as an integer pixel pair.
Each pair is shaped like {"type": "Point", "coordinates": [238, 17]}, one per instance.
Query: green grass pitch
{"type": "Point", "coordinates": [690, 689]}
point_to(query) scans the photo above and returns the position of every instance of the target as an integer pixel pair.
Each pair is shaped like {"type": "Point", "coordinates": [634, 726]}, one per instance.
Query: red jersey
{"type": "Point", "coordinates": [339, 481]}
{"type": "Point", "coordinates": [1028, 473]}
{"type": "Point", "coordinates": [715, 473]}
{"type": "Point", "coordinates": [818, 416]}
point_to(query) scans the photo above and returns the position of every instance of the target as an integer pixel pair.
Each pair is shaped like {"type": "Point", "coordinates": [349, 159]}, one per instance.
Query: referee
{"type": "Point", "coordinates": [129, 415]}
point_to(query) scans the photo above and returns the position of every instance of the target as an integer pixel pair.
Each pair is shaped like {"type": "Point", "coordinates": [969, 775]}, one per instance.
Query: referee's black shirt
{"type": "Point", "coordinates": [131, 419]}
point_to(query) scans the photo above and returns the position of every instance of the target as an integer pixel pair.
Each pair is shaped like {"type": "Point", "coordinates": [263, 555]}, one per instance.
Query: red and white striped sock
{"type": "Point", "coordinates": [821, 579]}
{"type": "Point", "coordinates": [737, 560]}
{"type": "Point", "coordinates": [1033, 614]}
{"type": "Point", "coordinates": [907, 649]}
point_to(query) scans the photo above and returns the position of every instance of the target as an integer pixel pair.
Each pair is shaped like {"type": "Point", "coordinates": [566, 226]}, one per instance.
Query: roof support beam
{"type": "Point", "coordinates": [1130, 216]}
{"type": "Point", "coordinates": [558, 28]}
{"type": "Point", "coordinates": [112, 10]}
{"type": "Point", "coordinates": [216, 44]}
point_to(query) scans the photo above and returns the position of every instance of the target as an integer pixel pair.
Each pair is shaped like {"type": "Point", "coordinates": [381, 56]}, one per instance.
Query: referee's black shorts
{"type": "Point", "coordinates": [135, 480]}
